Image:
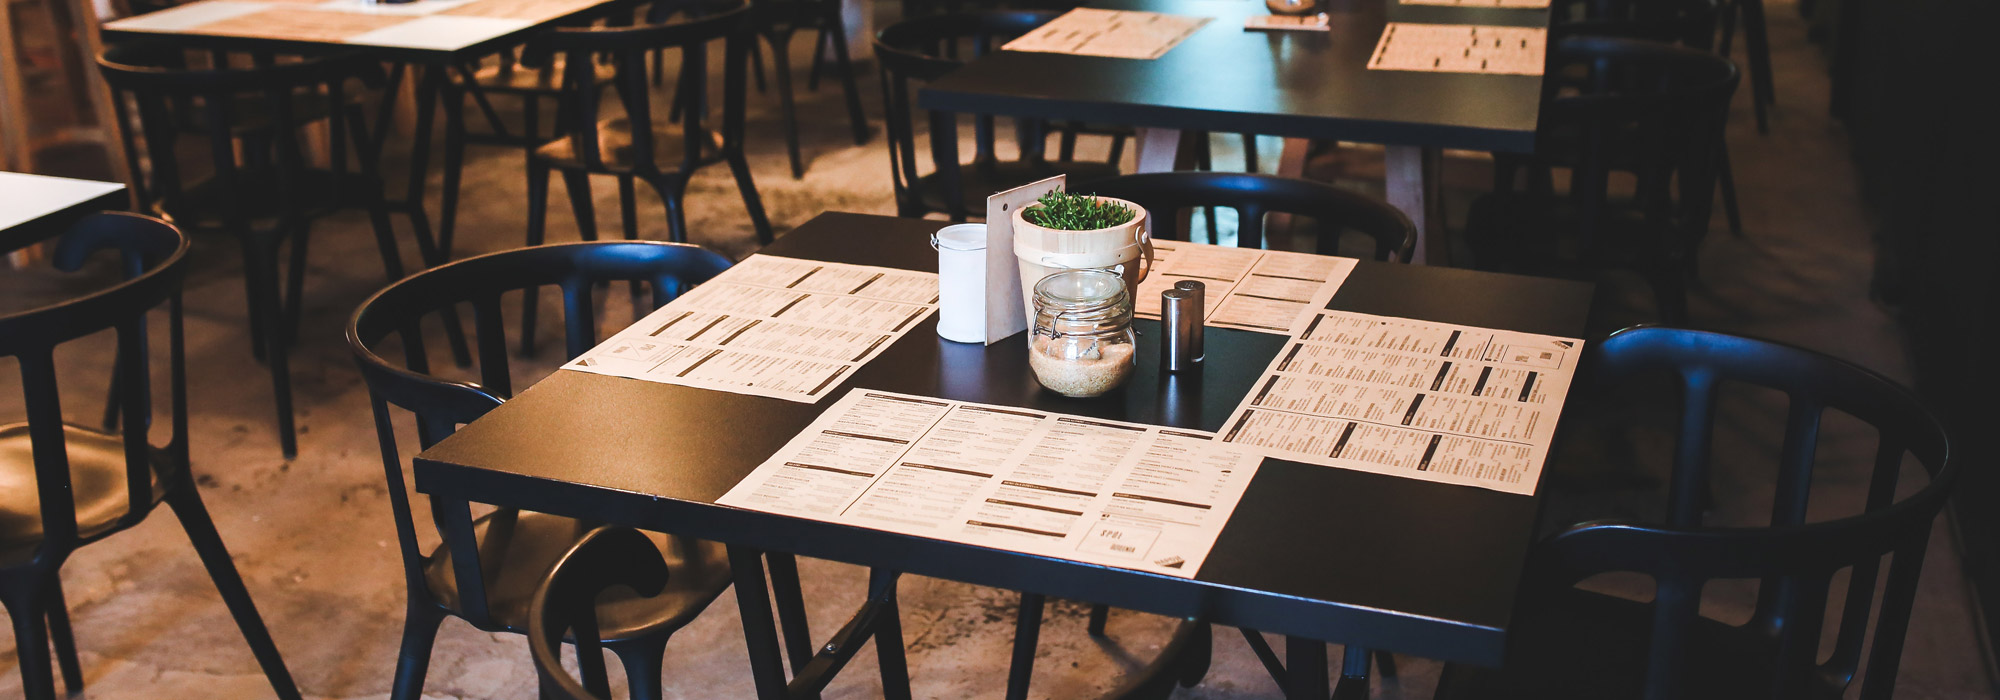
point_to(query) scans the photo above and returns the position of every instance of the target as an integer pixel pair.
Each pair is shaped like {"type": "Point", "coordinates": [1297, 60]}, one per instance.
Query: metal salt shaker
{"type": "Point", "coordinates": [1181, 326]}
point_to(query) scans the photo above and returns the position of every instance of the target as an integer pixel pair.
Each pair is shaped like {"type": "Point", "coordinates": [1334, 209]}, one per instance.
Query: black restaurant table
{"type": "Point", "coordinates": [1305, 85]}
{"type": "Point", "coordinates": [1316, 553]}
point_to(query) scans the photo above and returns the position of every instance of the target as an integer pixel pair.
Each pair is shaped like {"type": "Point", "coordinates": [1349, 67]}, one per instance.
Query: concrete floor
{"type": "Point", "coordinates": [313, 535]}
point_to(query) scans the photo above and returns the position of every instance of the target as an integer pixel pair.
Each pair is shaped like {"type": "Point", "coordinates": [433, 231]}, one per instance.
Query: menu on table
{"type": "Point", "coordinates": [770, 326]}
{"type": "Point", "coordinates": [1113, 33]}
{"type": "Point", "coordinates": [1503, 4]}
{"type": "Point", "coordinates": [1461, 48]}
{"type": "Point", "coordinates": [1432, 401]}
{"type": "Point", "coordinates": [1267, 291]}
{"type": "Point", "coordinates": [1098, 491]}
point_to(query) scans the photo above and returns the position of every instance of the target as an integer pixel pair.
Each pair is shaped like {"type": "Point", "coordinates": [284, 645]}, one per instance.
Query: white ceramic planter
{"type": "Point", "coordinates": [1126, 249]}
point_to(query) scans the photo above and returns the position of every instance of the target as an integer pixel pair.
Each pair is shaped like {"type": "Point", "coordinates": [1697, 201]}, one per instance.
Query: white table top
{"type": "Point", "coordinates": [424, 25]}
{"type": "Point", "coordinates": [24, 198]}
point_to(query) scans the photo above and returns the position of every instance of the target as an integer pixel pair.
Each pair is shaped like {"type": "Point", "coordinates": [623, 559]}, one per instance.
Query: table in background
{"type": "Point", "coordinates": [1312, 552]}
{"type": "Point", "coordinates": [1306, 85]}
{"type": "Point", "coordinates": [436, 36]}
{"type": "Point", "coordinates": [34, 208]}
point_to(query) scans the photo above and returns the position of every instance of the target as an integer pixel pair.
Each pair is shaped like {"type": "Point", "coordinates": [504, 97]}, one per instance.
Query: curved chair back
{"type": "Point", "coordinates": [923, 49]}
{"type": "Point", "coordinates": [152, 255]}
{"type": "Point", "coordinates": [1639, 106]}
{"type": "Point", "coordinates": [220, 103]}
{"type": "Point", "coordinates": [627, 49]}
{"type": "Point", "coordinates": [1333, 211]}
{"type": "Point", "coordinates": [566, 604]}
{"type": "Point", "coordinates": [441, 404]}
{"type": "Point", "coordinates": [1794, 559]}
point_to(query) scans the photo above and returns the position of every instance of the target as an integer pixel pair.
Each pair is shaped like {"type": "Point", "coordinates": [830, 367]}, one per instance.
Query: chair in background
{"type": "Point", "coordinates": [778, 21]}
{"type": "Point", "coordinates": [1572, 643]}
{"type": "Point", "coordinates": [632, 146]}
{"type": "Point", "coordinates": [1643, 108]}
{"type": "Point", "coordinates": [262, 190]}
{"type": "Point", "coordinates": [1689, 23]}
{"type": "Point", "coordinates": [89, 484]}
{"type": "Point", "coordinates": [1331, 210]}
{"type": "Point", "coordinates": [923, 49]}
{"type": "Point", "coordinates": [514, 550]}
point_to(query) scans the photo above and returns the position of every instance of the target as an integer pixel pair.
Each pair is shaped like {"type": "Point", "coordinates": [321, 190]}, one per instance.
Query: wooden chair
{"type": "Point", "coordinates": [1572, 643]}
{"type": "Point", "coordinates": [923, 49]}
{"type": "Point", "coordinates": [777, 22]}
{"type": "Point", "coordinates": [91, 484]}
{"type": "Point", "coordinates": [262, 190]}
{"type": "Point", "coordinates": [514, 550]}
{"type": "Point", "coordinates": [1332, 211]}
{"type": "Point", "coordinates": [633, 146]}
{"type": "Point", "coordinates": [1635, 106]}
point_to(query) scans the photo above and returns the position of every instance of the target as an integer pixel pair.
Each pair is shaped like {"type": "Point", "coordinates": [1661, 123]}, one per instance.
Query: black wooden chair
{"type": "Point", "coordinates": [89, 484]}
{"type": "Point", "coordinates": [1690, 23]}
{"type": "Point", "coordinates": [1332, 211]}
{"type": "Point", "coordinates": [1572, 643]}
{"type": "Point", "coordinates": [778, 22]}
{"type": "Point", "coordinates": [922, 49]}
{"type": "Point", "coordinates": [514, 549]}
{"type": "Point", "coordinates": [632, 146]}
{"type": "Point", "coordinates": [268, 197]}
{"type": "Point", "coordinates": [1649, 109]}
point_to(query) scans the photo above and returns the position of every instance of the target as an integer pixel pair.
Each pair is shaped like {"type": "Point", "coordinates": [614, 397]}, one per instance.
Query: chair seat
{"type": "Point", "coordinates": [97, 482]}
{"type": "Point", "coordinates": [320, 192]}
{"type": "Point", "coordinates": [1592, 646]}
{"type": "Point", "coordinates": [519, 79]}
{"type": "Point", "coordinates": [517, 550]}
{"type": "Point", "coordinates": [615, 152]}
{"type": "Point", "coordinates": [979, 180]}
{"type": "Point", "coordinates": [252, 114]}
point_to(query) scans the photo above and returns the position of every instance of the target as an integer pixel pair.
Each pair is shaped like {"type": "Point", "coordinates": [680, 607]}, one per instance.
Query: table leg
{"type": "Point", "coordinates": [1412, 174]}
{"type": "Point", "coordinates": [753, 601]}
{"type": "Point", "coordinates": [1305, 669]}
{"type": "Point", "coordinates": [454, 161]}
{"type": "Point", "coordinates": [429, 88]}
{"type": "Point", "coordinates": [1157, 149]}
{"type": "Point", "coordinates": [1353, 684]}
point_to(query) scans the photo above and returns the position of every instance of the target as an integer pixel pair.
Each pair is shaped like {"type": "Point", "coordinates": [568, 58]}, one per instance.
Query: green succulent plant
{"type": "Point", "coordinates": [1063, 211]}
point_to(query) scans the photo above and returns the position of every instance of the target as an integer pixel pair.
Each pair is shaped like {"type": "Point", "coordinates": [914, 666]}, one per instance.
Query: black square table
{"type": "Point", "coordinates": [34, 208]}
{"type": "Point", "coordinates": [1302, 85]}
{"type": "Point", "coordinates": [1312, 552]}
{"type": "Point", "coordinates": [438, 37]}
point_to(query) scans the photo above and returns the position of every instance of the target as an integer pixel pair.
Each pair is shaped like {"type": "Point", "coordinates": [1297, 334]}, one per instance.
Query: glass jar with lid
{"type": "Point", "coordinates": [1082, 342]}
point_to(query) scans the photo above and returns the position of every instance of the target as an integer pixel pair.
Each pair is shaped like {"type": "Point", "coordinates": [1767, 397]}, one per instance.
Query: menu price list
{"type": "Point", "coordinates": [1266, 291]}
{"type": "Point", "coordinates": [1433, 401]}
{"type": "Point", "coordinates": [1104, 492]}
{"type": "Point", "coordinates": [770, 326]}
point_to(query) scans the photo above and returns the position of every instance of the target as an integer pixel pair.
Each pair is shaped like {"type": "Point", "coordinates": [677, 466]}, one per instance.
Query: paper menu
{"type": "Point", "coordinates": [770, 326]}
{"type": "Point", "coordinates": [1103, 492]}
{"type": "Point", "coordinates": [1433, 401]}
{"type": "Point", "coordinates": [1112, 33]}
{"type": "Point", "coordinates": [1461, 48]}
{"type": "Point", "coordinates": [1267, 291]}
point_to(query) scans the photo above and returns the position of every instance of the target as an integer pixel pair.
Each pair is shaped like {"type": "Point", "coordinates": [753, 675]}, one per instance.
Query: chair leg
{"type": "Point", "coordinates": [1249, 153]}
{"type": "Point", "coordinates": [1757, 41]}
{"type": "Point", "coordinates": [790, 602]}
{"type": "Point", "coordinates": [1726, 175]}
{"type": "Point", "coordinates": [538, 220]}
{"type": "Point", "coordinates": [1027, 637]}
{"type": "Point", "coordinates": [740, 166]}
{"type": "Point", "coordinates": [295, 285]}
{"type": "Point", "coordinates": [1099, 614]}
{"type": "Point", "coordinates": [187, 506]}
{"type": "Point", "coordinates": [673, 193]}
{"type": "Point", "coordinates": [894, 666]}
{"type": "Point", "coordinates": [413, 661]}
{"type": "Point", "coordinates": [757, 67]}
{"type": "Point", "coordinates": [31, 644]}
{"type": "Point", "coordinates": [262, 269]}
{"type": "Point", "coordinates": [628, 207]}
{"type": "Point", "coordinates": [819, 57]}
{"type": "Point", "coordinates": [577, 182]}
{"type": "Point", "coordinates": [1385, 663]}
{"type": "Point", "coordinates": [250, 295]}
{"type": "Point", "coordinates": [1066, 143]}
{"type": "Point", "coordinates": [837, 30]}
{"type": "Point", "coordinates": [645, 662]}
{"type": "Point", "coordinates": [64, 640]}
{"type": "Point", "coordinates": [782, 65]}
